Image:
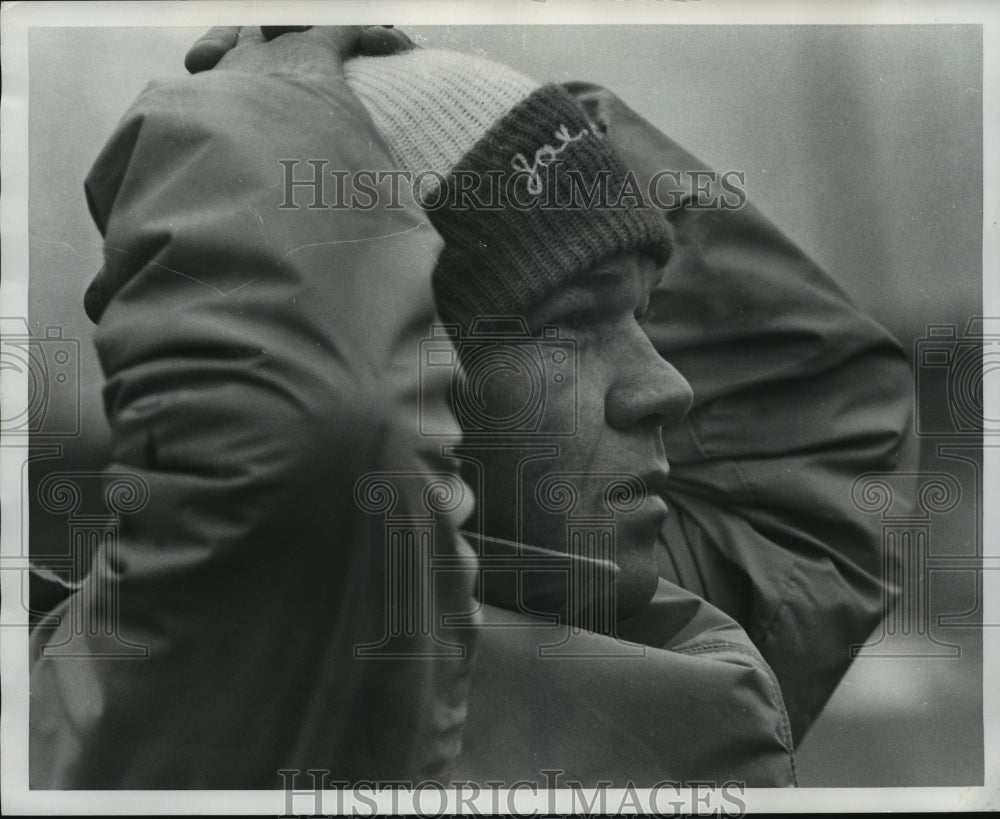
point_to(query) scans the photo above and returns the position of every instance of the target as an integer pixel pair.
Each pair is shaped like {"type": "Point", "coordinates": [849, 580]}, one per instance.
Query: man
{"type": "Point", "coordinates": [260, 366]}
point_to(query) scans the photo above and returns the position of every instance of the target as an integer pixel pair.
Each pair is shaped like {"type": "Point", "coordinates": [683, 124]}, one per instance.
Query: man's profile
{"type": "Point", "coordinates": [665, 405]}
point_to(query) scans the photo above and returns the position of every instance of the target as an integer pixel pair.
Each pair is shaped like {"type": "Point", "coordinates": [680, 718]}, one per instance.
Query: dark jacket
{"type": "Point", "coordinates": [797, 393]}
{"type": "Point", "coordinates": [259, 366]}
{"type": "Point", "coordinates": [675, 692]}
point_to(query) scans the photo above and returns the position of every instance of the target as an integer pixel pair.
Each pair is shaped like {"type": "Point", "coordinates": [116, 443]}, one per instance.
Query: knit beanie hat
{"type": "Point", "coordinates": [507, 170]}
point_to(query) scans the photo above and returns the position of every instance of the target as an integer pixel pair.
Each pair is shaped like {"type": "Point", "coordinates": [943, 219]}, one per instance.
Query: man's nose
{"type": "Point", "coordinates": [648, 391]}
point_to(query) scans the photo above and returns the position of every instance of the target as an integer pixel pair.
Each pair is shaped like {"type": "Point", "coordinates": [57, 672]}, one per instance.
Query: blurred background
{"type": "Point", "coordinates": [863, 143]}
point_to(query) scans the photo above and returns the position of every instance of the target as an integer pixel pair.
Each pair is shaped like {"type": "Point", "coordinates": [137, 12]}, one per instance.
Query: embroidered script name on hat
{"type": "Point", "coordinates": [544, 157]}
{"type": "Point", "coordinates": [475, 133]}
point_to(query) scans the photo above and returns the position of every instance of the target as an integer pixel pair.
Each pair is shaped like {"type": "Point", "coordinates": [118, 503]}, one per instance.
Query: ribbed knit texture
{"type": "Point", "coordinates": [432, 106]}
{"type": "Point", "coordinates": [515, 145]}
{"type": "Point", "coordinates": [520, 255]}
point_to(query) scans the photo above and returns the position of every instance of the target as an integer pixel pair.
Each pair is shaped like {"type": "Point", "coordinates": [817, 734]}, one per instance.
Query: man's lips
{"type": "Point", "coordinates": [652, 513]}
{"type": "Point", "coordinates": [656, 482]}
{"type": "Point", "coordinates": [656, 508]}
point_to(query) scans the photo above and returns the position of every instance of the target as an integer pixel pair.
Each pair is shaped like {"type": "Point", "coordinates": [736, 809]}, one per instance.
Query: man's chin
{"type": "Point", "coordinates": [636, 582]}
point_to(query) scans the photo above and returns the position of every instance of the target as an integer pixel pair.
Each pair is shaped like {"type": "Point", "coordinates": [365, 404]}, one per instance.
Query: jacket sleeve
{"type": "Point", "coordinates": [797, 394]}
{"type": "Point", "coordinates": [260, 360]}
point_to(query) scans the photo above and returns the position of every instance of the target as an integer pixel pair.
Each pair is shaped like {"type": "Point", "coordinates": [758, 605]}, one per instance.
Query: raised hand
{"type": "Point", "coordinates": [308, 49]}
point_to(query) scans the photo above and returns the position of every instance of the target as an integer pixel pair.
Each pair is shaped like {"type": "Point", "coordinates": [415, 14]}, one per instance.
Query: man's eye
{"type": "Point", "coordinates": [576, 320]}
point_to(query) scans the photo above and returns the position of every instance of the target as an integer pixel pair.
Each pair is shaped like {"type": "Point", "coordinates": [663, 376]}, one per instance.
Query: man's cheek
{"type": "Point", "coordinates": [573, 456]}
{"type": "Point", "coordinates": [500, 394]}
{"type": "Point", "coordinates": [506, 389]}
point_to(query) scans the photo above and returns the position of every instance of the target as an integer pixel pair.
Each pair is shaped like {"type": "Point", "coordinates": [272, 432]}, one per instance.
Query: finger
{"type": "Point", "coordinates": [379, 41]}
{"type": "Point", "coordinates": [342, 41]}
{"type": "Point", "coordinates": [249, 34]}
{"type": "Point", "coordinates": [210, 47]}
{"type": "Point", "coordinates": [270, 32]}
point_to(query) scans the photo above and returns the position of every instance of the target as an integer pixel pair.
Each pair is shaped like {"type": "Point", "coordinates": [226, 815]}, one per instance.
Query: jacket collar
{"type": "Point", "coordinates": [535, 580]}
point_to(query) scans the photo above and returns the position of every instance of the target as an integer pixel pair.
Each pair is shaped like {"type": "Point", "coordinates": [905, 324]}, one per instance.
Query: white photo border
{"type": "Point", "coordinates": [17, 19]}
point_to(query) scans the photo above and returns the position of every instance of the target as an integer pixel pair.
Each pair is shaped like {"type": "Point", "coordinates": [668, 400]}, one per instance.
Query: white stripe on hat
{"type": "Point", "coordinates": [432, 106]}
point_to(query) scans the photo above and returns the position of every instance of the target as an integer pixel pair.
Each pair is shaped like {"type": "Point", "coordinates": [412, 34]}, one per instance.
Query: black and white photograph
{"type": "Point", "coordinates": [483, 408]}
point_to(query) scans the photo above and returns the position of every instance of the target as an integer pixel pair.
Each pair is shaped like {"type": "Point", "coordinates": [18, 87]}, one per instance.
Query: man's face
{"type": "Point", "coordinates": [595, 459]}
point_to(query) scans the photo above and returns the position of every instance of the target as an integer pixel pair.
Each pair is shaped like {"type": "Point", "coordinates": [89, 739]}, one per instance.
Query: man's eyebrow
{"type": "Point", "coordinates": [608, 270]}
{"type": "Point", "coordinates": [613, 270]}
{"type": "Point", "coordinates": [600, 285]}
{"type": "Point", "coordinates": [610, 279]}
